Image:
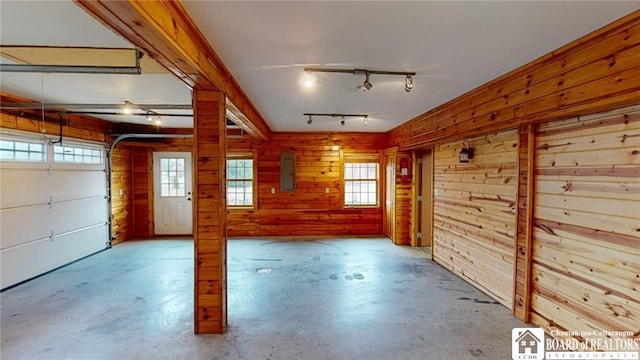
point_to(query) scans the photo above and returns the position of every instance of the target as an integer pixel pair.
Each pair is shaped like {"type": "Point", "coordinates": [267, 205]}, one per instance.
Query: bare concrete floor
{"type": "Point", "coordinates": [320, 299]}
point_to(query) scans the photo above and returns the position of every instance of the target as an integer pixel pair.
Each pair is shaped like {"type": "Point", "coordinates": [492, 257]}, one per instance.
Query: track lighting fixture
{"type": "Point", "coordinates": [127, 109]}
{"type": "Point", "coordinates": [152, 115]}
{"type": "Point", "coordinates": [366, 85]}
{"type": "Point", "coordinates": [343, 120]}
{"type": "Point", "coordinates": [408, 83]}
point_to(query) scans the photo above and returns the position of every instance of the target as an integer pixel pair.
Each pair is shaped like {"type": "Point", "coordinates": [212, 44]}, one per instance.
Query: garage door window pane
{"type": "Point", "coordinates": [77, 154]}
{"type": "Point", "coordinates": [18, 150]}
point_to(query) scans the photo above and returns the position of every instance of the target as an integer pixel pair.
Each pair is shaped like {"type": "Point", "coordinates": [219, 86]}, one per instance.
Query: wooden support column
{"type": "Point", "coordinates": [522, 266]}
{"type": "Point", "coordinates": [209, 196]}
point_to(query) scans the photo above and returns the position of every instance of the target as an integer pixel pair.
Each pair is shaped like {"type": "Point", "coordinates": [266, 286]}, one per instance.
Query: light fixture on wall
{"type": "Point", "coordinates": [366, 85]}
{"type": "Point", "coordinates": [343, 120]}
{"type": "Point", "coordinates": [466, 153]}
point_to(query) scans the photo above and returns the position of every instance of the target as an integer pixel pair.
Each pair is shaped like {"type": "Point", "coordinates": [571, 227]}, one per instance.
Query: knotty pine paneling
{"type": "Point", "coordinates": [122, 225]}
{"type": "Point", "coordinates": [142, 180]}
{"type": "Point", "coordinates": [404, 197]}
{"type": "Point", "coordinates": [586, 236]}
{"type": "Point", "coordinates": [210, 223]}
{"type": "Point", "coordinates": [475, 212]}
{"type": "Point", "coordinates": [309, 210]}
{"type": "Point", "coordinates": [596, 73]}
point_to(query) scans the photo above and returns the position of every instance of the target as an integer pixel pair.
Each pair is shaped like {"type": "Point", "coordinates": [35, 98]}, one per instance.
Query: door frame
{"type": "Point", "coordinates": [389, 206]}
{"type": "Point", "coordinates": [424, 209]}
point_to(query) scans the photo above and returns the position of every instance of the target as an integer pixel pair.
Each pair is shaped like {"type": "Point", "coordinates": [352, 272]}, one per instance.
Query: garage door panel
{"type": "Point", "coordinates": [24, 224]}
{"type": "Point", "coordinates": [52, 213]}
{"type": "Point", "coordinates": [23, 187]}
{"type": "Point", "coordinates": [77, 184]}
{"type": "Point", "coordinates": [77, 214]}
{"type": "Point", "coordinates": [45, 254]}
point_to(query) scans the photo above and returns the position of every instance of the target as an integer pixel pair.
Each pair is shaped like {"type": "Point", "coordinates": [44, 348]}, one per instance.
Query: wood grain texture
{"type": "Point", "coordinates": [475, 212]}
{"type": "Point", "coordinates": [165, 32]}
{"type": "Point", "coordinates": [586, 235]}
{"type": "Point", "coordinates": [210, 213]}
{"type": "Point", "coordinates": [596, 73]}
{"type": "Point", "coordinates": [122, 224]}
{"type": "Point", "coordinates": [309, 210]}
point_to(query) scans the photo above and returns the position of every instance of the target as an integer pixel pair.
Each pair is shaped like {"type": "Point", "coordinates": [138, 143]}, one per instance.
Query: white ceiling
{"type": "Point", "coordinates": [454, 46]}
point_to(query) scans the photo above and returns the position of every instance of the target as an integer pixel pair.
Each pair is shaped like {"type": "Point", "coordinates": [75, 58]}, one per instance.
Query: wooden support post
{"type": "Point", "coordinates": [209, 196]}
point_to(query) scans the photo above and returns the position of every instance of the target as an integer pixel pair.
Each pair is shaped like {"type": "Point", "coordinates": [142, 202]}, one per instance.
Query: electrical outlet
{"type": "Point", "coordinates": [273, 190]}
{"type": "Point", "coordinates": [121, 192]}
{"type": "Point", "coordinates": [326, 190]}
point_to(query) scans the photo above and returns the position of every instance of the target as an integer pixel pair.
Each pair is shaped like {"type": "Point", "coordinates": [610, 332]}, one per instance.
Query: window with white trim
{"type": "Point", "coordinates": [22, 150]}
{"type": "Point", "coordinates": [77, 154]}
{"type": "Point", "coordinates": [361, 180]}
{"type": "Point", "coordinates": [241, 181]}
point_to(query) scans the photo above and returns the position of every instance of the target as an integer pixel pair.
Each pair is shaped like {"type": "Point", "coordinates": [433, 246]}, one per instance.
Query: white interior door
{"type": "Point", "coordinates": [172, 205]}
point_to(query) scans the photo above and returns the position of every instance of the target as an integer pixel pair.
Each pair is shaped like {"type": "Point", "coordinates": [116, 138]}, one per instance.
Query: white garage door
{"type": "Point", "coordinates": [53, 204]}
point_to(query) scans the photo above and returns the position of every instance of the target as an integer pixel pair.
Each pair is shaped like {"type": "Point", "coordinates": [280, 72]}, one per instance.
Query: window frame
{"type": "Point", "coordinates": [243, 155]}
{"type": "Point", "coordinates": [346, 158]}
{"type": "Point", "coordinates": [28, 140]}
{"type": "Point", "coordinates": [78, 145]}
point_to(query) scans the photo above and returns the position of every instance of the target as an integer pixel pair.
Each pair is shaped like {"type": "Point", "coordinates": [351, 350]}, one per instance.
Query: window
{"type": "Point", "coordinates": [22, 150]}
{"type": "Point", "coordinates": [172, 177]}
{"type": "Point", "coordinates": [241, 181]}
{"type": "Point", "coordinates": [361, 180]}
{"type": "Point", "coordinates": [77, 154]}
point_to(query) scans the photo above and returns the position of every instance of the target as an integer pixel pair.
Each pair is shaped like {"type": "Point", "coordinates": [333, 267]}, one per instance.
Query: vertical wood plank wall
{"type": "Point", "coordinates": [404, 201]}
{"type": "Point", "coordinates": [586, 240]}
{"type": "Point", "coordinates": [474, 212]}
{"type": "Point", "coordinates": [210, 223]}
{"type": "Point", "coordinates": [122, 225]}
{"type": "Point", "coordinates": [309, 210]}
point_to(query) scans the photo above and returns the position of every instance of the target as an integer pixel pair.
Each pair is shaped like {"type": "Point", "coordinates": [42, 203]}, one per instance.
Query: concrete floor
{"type": "Point", "coordinates": [320, 299]}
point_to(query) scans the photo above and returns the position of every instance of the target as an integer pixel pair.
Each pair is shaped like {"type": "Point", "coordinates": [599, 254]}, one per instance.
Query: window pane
{"type": "Point", "coordinates": [360, 184]}
{"type": "Point", "coordinates": [240, 182]}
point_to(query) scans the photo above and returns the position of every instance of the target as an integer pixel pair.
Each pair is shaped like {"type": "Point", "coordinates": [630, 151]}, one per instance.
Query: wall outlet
{"type": "Point", "coordinates": [121, 192]}
{"type": "Point", "coordinates": [326, 190]}
{"type": "Point", "coordinates": [273, 190]}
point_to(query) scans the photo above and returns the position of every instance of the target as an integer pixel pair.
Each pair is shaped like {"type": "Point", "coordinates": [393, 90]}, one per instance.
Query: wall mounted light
{"type": "Point", "coordinates": [408, 83]}
{"type": "Point", "coordinates": [466, 153]}
{"type": "Point", "coordinates": [343, 120]}
{"type": "Point", "coordinates": [366, 85]}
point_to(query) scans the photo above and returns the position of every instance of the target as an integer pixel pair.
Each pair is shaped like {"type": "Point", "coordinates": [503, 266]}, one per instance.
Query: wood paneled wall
{"type": "Point", "coordinates": [475, 212]}
{"type": "Point", "coordinates": [586, 240]}
{"type": "Point", "coordinates": [122, 225]}
{"type": "Point", "coordinates": [598, 72]}
{"type": "Point", "coordinates": [404, 201]}
{"type": "Point", "coordinates": [309, 210]}
{"type": "Point", "coordinates": [142, 182]}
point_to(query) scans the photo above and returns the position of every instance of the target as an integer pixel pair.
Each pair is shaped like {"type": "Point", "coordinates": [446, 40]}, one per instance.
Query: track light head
{"type": "Point", "coordinates": [149, 116]}
{"type": "Point", "coordinates": [366, 85]}
{"type": "Point", "coordinates": [408, 83]}
{"type": "Point", "coordinates": [365, 121]}
{"type": "Point", "coordinates": [127, 109]}
{"type": "Point", "coordinates": [342, 122]}
{"type": "Point", "coordinates": [310, 120]}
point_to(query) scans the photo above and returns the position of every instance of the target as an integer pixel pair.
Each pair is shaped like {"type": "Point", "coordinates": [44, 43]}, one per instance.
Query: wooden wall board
{"type": "Point", "coordinates": [586, 244]}
{"type": "Point", "coordinates": [475, 212]}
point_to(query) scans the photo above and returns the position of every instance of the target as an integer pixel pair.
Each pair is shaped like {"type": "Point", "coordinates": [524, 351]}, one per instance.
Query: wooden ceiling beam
{"type": "Point", "coordinates": [165, 32]}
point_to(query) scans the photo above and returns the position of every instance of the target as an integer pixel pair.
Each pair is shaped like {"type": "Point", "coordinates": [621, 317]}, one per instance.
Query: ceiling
{"type": "Point", "coordinates": [453, 46]}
